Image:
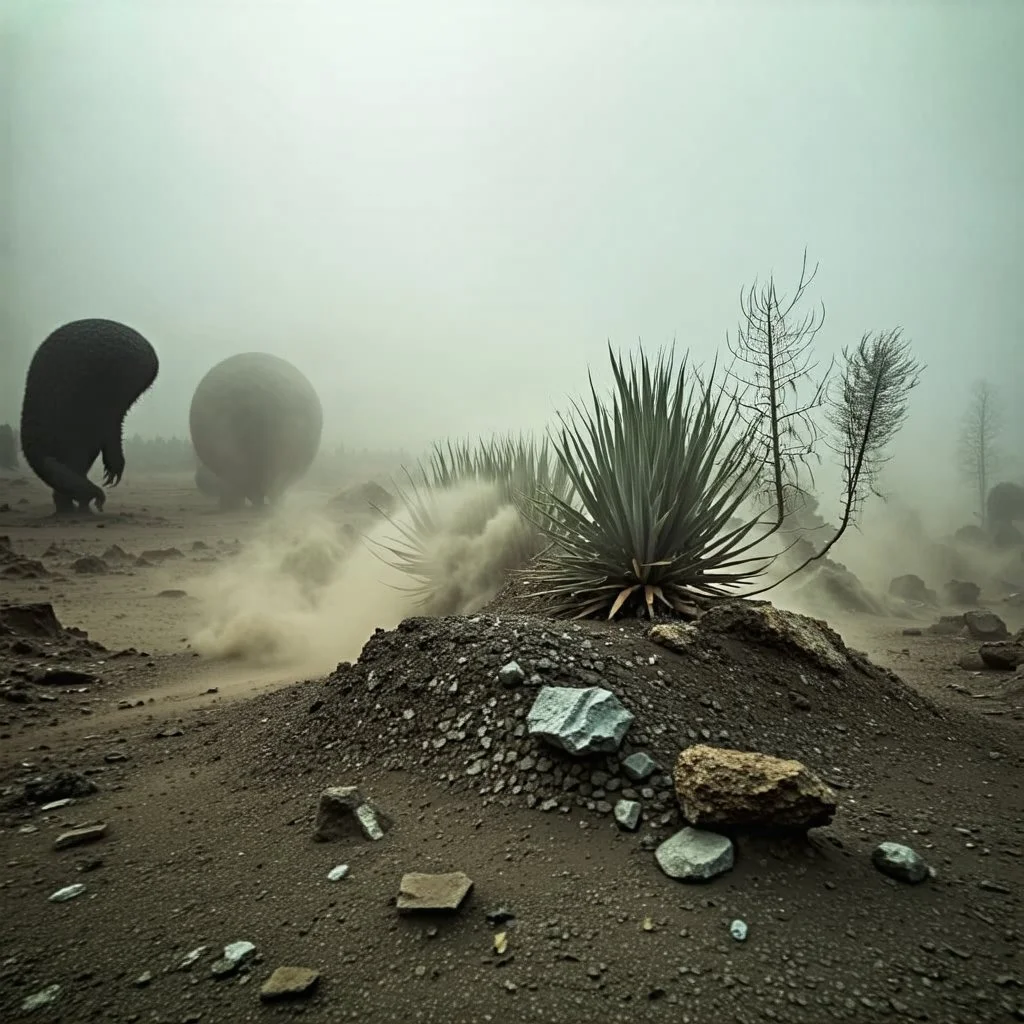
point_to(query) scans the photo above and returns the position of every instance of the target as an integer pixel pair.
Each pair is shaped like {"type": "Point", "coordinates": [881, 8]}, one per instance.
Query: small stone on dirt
{"type": "Point", "coordinates": [900, 862]}
{"type": "Point", "coordinates": [338, 873]}
{"type": "Point", "coordinates": [721, 788]}
{"type": "Point", "coordinates": [738, 930]}
{"type": "Point", "coordinates": [344, 813]}
{"type": "Point", "coordinates": [235, 954]}
{"type": "Point", "coordinates": [422, 892]}
{"type": "Point", "coordinates": [69, 892]}
{"type": "Point", "coordinates": [511, 674]}
{"type": "Point", "coordinates": [639, 766]}
{"type": "Point", "coordinates": [695, 856]}
{"type": "Point", "coordinates": [192, 957]}
{"type": "Point", "coordinates": [627, 814]}
{"type": "Point", "coordinates": [53, 789]}
{"type": "Point", "coordinates": [65, 677]}
{"type": "Point", "coordinates": [289, 983]}
{"type": "Point", "coordinates": [579, 721]}
{"type": "Point", "coordinates": [38, 1000]}
{"type": "Point", "coordinates": [79, 836]}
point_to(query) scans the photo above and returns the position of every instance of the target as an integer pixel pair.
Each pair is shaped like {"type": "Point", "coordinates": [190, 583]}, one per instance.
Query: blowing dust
{"type": "Point", "coordinates": [893, 539]}
{"type": "Point", "coordinates": [306, 592]}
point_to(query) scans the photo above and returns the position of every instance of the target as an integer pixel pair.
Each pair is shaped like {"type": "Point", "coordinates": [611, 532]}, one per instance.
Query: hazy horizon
{"type": "Point", "coordinates": [443, 213]}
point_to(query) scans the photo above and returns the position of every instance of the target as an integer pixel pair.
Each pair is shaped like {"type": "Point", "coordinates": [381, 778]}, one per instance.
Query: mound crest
{"type": "Point", "coordinates": [440, 696]}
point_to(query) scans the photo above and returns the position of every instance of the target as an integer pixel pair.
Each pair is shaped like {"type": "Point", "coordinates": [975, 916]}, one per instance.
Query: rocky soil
{"type": "Point", "coordinates": [160, 863]}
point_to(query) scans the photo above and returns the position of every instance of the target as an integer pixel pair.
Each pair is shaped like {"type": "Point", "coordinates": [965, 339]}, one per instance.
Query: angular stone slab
{"type": "Point", "coordinates": [289, 983]}
{"type": "Point", "coordinates": [580, 721]}
{"type": "Point", "coordinates": [421, 892]}
{"type": "Point", "coordinates": [695, 856]}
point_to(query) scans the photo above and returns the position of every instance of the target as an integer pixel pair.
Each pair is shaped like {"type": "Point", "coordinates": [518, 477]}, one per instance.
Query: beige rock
{"type": "Point", "coordinates": [763, 623]}
{"type": "Point", "coordinates": [433, 892]}
{"type": "Point", "coordinates": [720, 788]}
{"type": "Point", "coordinates": [79, 836]}
{"type": "Point", "coordinates": [288, 983]}
{"type": "Point", "coordinates": [676, 636]}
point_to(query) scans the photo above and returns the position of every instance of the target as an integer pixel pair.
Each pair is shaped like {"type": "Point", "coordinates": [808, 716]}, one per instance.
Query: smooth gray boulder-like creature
{"type": "Point", "coordinates": [256, 423]}
{"type": "Point", "coordinates": [81, 383]}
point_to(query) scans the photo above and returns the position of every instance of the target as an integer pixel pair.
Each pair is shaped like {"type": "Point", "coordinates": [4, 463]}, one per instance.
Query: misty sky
{"type": "Point", "coordinates": [441, 212]}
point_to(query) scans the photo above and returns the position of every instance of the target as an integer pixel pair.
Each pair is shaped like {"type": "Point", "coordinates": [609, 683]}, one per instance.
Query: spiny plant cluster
{"type": "Point", "coordinates": [635, 502]}
{"type": "Point", "coordinates": [460, 490]}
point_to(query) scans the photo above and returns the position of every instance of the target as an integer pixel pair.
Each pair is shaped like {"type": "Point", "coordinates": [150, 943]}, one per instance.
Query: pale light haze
{"type": "Point", "coordinates": [442, 212]}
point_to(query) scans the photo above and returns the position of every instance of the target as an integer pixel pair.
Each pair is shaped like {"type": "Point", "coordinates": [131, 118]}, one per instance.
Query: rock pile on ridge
{"type": "Point", "coordinates": [438, 697]}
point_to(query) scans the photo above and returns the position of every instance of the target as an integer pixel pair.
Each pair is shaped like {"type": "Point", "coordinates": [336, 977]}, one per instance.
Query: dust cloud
{"type": "Point", "coordinates": [305, 593]}
{"type": "Point", "coordinates": [894, 538]}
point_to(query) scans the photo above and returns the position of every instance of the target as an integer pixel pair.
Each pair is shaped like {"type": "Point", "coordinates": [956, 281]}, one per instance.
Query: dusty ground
{"type": "Point", "coordinates": [208, 774]}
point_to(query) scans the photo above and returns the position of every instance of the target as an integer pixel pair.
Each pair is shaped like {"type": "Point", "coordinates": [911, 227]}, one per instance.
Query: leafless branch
{"type": "Point", "coordinates": [867, 408]}
{"type": "Point", "coordinates": [772, 361]}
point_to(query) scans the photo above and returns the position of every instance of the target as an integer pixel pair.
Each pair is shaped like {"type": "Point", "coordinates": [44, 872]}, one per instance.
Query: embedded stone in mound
{"type": "Point", "coordinates": [419, 892]}
{"type": "Point", "coordinates": [639, 766]}
{"type": "Point", "coordinates": [695, 856]}
{"type": "Point", "coordinates": [579, 721]}
{"type": "Point", "coordinates": [721, 788]}
{"type": "Point", "coordinates": [627, 814]}
{"type": "Point", "coordinates": [511, 674]}
{"type": "Point", "coordinates": [1005, 655]}
{"type": "Point", "coordinates": [985, 625]}
{"type": "Point", "coordinates": [765, 624]}
{"type": "Point", "coordinates": [676, 636]}
{"type": "Point", "coordinates": [343, 813]}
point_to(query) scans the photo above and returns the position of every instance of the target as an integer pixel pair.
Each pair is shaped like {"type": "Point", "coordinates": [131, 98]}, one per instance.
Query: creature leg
{"type": "Point", "coordinates": [63, 503]}
{"type": "Point", "coordinates": [113, 458]}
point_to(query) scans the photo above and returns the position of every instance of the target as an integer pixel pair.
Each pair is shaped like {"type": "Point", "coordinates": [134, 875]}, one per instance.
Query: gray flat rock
{"type": "Point", "coordinates": [695, 856]}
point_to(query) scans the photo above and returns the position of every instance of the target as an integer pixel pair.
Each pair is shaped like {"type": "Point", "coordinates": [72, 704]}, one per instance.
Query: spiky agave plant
{"type": "Point", "coordinates": [453, 498]}
{"type": "Point", "coordinates": [656, 473]}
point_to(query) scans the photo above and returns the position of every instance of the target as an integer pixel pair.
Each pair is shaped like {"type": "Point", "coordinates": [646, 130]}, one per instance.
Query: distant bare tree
{"type": "Point", "coordinates": [979, 442]}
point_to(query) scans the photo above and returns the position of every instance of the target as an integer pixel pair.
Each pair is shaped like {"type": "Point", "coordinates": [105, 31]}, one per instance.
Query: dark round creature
{"type": "Point", "coordinates": [256, 423]}
{"type": "Point", "coordinates": [81, 383]}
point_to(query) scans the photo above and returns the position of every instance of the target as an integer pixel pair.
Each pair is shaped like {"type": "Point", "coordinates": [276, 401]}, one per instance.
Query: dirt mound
{"type": "Point", "coordinates": [368, 498]}
{"type": "Point", "coordinates": [41, 658]}
{"type": "Point", "coordinates": [427, 697]}
{"type": "Point", "coordinates": [14, 566]}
